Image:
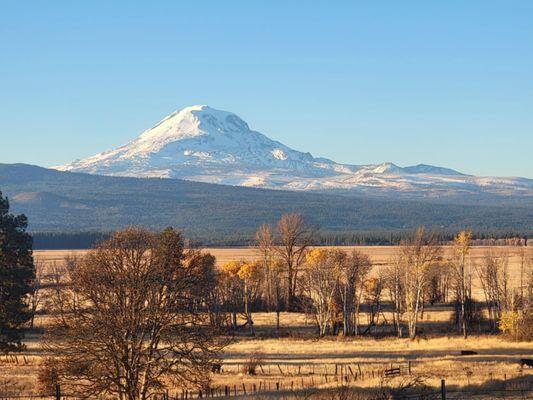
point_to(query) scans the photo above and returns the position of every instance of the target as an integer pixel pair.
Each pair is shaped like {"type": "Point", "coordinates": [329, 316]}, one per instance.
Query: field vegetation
{"type": "Point", "coordinates": [143, 316]}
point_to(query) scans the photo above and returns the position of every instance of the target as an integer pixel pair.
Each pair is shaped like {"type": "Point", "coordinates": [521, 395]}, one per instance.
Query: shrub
{"type": "Point", "coordinates": [253, 362]}
{"type": "Point", "coordinates": [517, 324]}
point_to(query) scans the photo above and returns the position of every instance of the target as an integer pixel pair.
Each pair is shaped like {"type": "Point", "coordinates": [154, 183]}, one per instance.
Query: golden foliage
{"type": "Point", "coordinates": [462, 241]}
{"type": "Point", "coordinates": [249, 271]}
{"type": "Point", "coordinates": [244, 270]}
{"type": "Point", "coordinates": [232, 268]}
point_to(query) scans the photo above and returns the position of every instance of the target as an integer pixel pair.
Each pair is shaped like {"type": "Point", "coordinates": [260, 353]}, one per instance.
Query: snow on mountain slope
{"type": "Point", "coordinates": [200, 143]}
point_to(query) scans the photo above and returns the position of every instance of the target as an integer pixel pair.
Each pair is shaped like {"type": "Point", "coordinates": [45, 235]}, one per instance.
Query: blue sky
{"type": "Point", "coordinates": [448, 83]}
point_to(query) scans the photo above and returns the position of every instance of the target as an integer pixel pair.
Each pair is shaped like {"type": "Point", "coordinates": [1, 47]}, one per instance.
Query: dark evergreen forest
{"type": "Point", "coordinates": [69, 210]}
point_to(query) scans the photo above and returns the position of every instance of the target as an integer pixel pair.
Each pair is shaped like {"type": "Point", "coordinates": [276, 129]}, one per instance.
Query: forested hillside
{"type": "Point", "coordinates": [58, 201]}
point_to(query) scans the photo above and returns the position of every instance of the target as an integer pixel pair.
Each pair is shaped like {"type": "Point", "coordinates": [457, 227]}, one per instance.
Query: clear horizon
{"type": "Point", "coordinates": [447, 84]}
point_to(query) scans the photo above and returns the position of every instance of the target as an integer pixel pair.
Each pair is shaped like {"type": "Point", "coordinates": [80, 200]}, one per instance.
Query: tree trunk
{"type": "Point", "coordinates": [247, 311]}
{"type": "Point", "coordinates": [346, 314]}
{"type": "Point", "coordinates": [234, 320]}
{"type": "Point", "coordinates": [290, 294]}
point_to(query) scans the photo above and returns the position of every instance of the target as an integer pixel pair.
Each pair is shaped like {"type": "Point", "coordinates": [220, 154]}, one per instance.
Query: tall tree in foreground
{"type": "Point", "coordinates": [17, 273]}
{"type": "Point", "coordinates": [294, 238]}
{"type": "Point", "coordinates": [129, 318]}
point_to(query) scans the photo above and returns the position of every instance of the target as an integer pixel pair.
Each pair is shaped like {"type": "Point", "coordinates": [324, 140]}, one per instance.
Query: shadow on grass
{"type": "Point", "coordinates": [515, 388]}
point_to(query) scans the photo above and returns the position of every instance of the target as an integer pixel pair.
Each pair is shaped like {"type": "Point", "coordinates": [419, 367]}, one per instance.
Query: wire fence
{"type": "Point", "coordinates": [310, 381]}
{"type": "Point", "coordinates": [281, 394]}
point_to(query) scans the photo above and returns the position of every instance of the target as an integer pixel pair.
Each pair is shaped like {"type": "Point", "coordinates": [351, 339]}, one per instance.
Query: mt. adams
{"type": "Point", "coordinates": [200, 143]}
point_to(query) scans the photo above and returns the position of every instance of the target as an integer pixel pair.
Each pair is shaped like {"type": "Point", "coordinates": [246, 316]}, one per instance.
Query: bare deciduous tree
{"type": "Point", "coordinates": [493, 275]}
{"type": "Point", "coordinates": [129, 320]}
{"type": "Point", "coordinates": [294, 238]}
{"type": "Point", "coordinates": [320, 284]}
{"type": "Point", "coordinates": [353, 270]}
{"type": "Point", "coordinates": [35, 297]}
{"type": "Point", "coordinates": [276, 273]}
{"type": "Point", "coordinates": [416, 257]}
{"type": "Point", "coordinates": [394, 282]}
{"type": "Point", "coordinates": [265, 243]}
{"type": "Point", "coordinates": [462, 278]}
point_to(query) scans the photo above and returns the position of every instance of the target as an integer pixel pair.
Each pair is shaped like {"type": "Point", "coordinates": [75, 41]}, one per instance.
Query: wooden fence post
{"type": "Point", "coordinates": [443, 389]}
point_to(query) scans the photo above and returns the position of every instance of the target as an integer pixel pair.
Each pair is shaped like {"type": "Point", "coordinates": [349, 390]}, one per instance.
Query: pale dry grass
{"type": "Point", "coordinates": [288, 360]}
{"type": "Point", "coordinates": [381, 257]}
{"type": "Point", "coordinates": [310, 362]}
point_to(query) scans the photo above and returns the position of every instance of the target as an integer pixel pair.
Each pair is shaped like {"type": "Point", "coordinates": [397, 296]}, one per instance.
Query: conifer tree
{"type": "Point", "coordinates": [16, 275]}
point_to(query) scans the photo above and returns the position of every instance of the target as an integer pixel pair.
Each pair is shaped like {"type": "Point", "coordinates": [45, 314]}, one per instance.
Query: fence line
{"type": "Point", "coordinates": [291, 389]}
{"type": "Point", "coordinates": [341, 374]}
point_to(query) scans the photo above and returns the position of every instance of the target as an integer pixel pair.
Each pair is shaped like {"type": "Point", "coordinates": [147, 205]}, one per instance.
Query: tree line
{"type": "Point", "coordinates": [334, 285]}
{"type": "Point", "coordinates": [87, 240]}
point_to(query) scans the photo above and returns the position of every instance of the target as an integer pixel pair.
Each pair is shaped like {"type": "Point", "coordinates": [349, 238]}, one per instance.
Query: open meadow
{"type": "Point", "coordinates": [295, 362]}
{"type": "Point", "coordinates": [381, 256]}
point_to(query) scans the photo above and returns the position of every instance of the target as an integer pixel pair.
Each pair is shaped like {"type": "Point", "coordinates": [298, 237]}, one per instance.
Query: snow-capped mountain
{"type": "Point", "coordinates": [200, 143]}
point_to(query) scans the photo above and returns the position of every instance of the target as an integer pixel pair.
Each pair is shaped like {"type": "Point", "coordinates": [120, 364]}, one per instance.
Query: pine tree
{"type": "Point", "coordinates": [16, 275]}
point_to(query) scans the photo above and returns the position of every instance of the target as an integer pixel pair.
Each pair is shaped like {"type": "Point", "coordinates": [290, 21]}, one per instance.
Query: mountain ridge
{"type": "Point", "coordinates": [57, 201]}
{"type": "Point", "coordinates": [203, 144]}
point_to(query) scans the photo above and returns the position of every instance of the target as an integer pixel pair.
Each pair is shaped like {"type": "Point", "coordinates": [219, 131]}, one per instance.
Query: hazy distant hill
{"type": "Point", "coordinates": [64, 201]}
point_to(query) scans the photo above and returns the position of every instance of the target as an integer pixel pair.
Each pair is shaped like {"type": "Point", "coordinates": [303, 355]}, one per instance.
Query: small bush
{"type": "Point", "coordinates": [253, 362]}
{"type": "Point", "coordinates": [517, 324]}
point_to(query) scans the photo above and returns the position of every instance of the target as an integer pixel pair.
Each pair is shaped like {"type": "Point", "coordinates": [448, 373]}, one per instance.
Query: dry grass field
{"type": "Point", "coordinates": [299, 364]}
{"type": "Point", "coordinates": [381, 256]}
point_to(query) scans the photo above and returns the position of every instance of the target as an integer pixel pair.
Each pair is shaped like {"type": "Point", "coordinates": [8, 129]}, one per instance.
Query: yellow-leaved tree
{"type": "Point", "coordinates": [250, 274]}
{"type": "Point", "coordinates": [462, 244]}
{"type": "Point", "coordinates": [241, 280]}
{"type": "Point", "coordinates": [232, 289]}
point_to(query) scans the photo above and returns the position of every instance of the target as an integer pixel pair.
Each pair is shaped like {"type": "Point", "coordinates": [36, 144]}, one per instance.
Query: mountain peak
{"type": "Point", "coordinates": [194, 120]}
{"type": "Point", "coordinates": [201, 143]}
{"type": "Point", "coordinates": [195, 140]}
{"type": "Point", "coordinates": [386, 167]}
